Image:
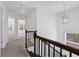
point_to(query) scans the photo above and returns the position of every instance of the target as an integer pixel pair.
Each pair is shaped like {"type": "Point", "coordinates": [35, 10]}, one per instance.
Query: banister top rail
{"type": "Point", "coordinates": [58, 44]}
{"type": "Point", "coordinates": [31, 31]}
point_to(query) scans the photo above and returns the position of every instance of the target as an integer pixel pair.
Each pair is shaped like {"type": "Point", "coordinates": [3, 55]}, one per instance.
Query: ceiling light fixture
{"type": "Point", "coordinates": [64, 18]}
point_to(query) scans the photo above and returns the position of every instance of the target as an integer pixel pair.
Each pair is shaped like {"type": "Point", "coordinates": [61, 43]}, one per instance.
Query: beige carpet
{"type": "Point", "coordinates": [15, 48]}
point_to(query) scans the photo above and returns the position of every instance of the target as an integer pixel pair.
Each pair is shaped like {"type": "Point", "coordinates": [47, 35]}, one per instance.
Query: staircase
{"type": "Point", "coordinates": [43, 47]}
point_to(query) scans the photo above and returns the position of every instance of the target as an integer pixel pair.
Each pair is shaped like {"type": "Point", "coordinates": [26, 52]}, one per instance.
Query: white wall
{"type": "Point", "coordinates": [4, 26]}
{"type": "Point", "coordinates": [31, 22]}
{"type": "Point", "coordinates": [4, 29]}
{"type": "Point", "coordinates": [46, 23]}
{"type": "Point", "coordinates": [0, 31]}
{"type": "Point", "coordinates": [71, 26]}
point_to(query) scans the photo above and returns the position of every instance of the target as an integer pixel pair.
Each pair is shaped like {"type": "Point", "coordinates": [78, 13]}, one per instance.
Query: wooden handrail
{"type": "Point", "coordinates": [31, 31]}
{"type": "Point", "coordinates": [58, 44]}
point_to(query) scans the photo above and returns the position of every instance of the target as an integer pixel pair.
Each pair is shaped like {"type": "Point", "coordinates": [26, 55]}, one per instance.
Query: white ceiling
{"type": "Point", "coordinates": [16, 8]}
{"type": "Point", "coordinates": [56, 6]}
{"type": "Point", "coordinates": [23, 8]}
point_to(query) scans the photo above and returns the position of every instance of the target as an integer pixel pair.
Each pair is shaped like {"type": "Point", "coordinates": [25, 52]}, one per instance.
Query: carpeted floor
{"type": "Point", "coordinates": [15, 48]}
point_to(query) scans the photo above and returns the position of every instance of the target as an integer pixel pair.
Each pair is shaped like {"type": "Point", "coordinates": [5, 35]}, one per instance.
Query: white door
{"type": "Point", "coordinates": [0, 29]}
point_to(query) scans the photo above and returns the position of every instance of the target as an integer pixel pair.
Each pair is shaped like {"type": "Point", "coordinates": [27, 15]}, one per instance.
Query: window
{"type": "Point", "coordinates": [21, 26]}
{"type": "Point", "coordinates": [72, 37]}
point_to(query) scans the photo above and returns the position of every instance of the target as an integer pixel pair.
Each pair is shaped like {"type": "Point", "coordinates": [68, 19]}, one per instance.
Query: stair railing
{"type": "Point", "coordinates": [45, 45]}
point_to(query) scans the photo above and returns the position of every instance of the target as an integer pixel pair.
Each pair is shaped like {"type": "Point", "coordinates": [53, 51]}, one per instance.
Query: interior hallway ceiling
{"type": "Point", "coordinates": [17, 9]}
{"type": "Point", "coordinates": [24, 8]}
{"type": "Point", "coordinates": [56, 6]}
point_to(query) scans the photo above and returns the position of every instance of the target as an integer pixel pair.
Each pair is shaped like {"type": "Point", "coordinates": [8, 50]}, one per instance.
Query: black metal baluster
{"type": "Point", "coordinates": [70, 54]}
{"type": "Point", "coordinates": [54, 51]}
{"type": "Point", "coordinates": [49, 50]}
{"type": "Point", "coordinates": [60, 52]}
{"type": "Point", "coordinates": [44, 49]}
{"type": "Point", "coordinates": [26, 39]}
{"type": "Point", "coordinates": [34, 43]}
{"type": "Point", "coordinates": [39, 47]}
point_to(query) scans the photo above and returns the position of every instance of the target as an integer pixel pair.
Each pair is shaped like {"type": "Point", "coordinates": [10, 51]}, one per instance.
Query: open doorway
{"type": "Point", "coordinates": [16, 39]}
{"type": "Point", "coordinates": [16, 31]}
{"type": "Point", "coordinates": [11, 27]}
{"type": "Point", "coordinates": [21, 32]}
